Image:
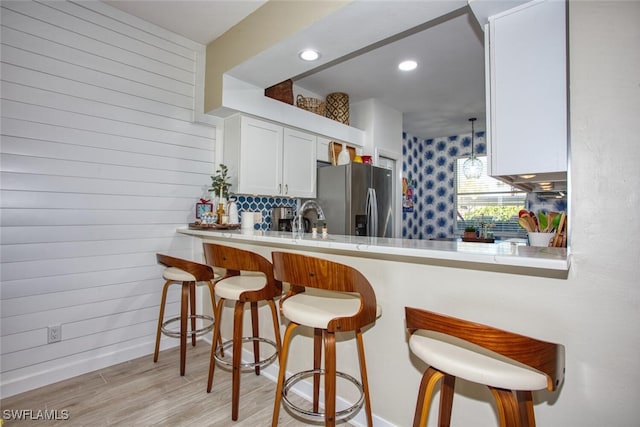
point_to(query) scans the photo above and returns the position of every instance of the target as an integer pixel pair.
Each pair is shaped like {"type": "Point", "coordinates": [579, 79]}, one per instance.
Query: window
{"type": "Point", "coordinates": [487, 200]}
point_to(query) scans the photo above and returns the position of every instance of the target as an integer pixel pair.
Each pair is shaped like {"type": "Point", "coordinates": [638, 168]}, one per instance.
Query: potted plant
{"type": "Point", "coordinates": [469, 232]}
{"type": "Point", "coordinates": [220, 183]}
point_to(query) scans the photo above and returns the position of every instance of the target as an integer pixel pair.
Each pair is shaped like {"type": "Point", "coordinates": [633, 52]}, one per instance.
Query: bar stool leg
{"type": "Point", "coordinates": [216, 339]}
{"type": "Point", "coordinates": [238, 312]}
{"type": "Point", "coordinates": [161, 319]}
{"type": "Point", "coordinates": [276, 326]}
{"type": "Point", "coordinates": [429, 380]}
{"type": "Point", "coordinates": [317, 358]}
{"type": "Point", "coordinates": [286, 341]}
{"type": "Point", "coordinates": [507, 407]}
{"type": "Point", "coordinates": [184, 303]}
{"type": "Point", "coordinates": [255, 330]}
{"type": "Point", "coordinates": [446, 400]}
{"type": "Point", "coordinates": [330, 379]}
{"type": "Point", "coordinates": [364, 377]}
{"type": "Point", "coordinates": [192, 306]}
{"type": "Point", "coordinates": [213, 307]}
{"type": "Point", "coordinates": [525, 405]}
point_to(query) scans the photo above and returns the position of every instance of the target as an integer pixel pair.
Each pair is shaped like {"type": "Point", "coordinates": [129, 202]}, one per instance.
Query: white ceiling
{"type": "Point", "coordinates": [199, 20]}
{"type": "Point", "coordinates": [436, 99]}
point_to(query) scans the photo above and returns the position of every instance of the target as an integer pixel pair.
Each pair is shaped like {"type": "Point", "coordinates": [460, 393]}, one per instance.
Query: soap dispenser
{"type": "Point", "coordinates": [344, 158]}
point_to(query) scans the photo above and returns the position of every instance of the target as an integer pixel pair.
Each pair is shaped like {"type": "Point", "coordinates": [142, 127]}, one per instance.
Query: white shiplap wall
{"type": "Point", "coordinates": [101, 161]}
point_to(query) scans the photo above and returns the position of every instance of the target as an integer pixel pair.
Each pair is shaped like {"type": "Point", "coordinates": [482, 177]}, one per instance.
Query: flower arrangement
{"type": "Point", "coordinates": [542, 222]}
{"type": "Point", "coordinates": [220, 182]}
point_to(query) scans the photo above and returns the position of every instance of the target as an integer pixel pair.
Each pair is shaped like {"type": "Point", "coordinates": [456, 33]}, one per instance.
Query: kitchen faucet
{"type": "Point", "coordinates": [309, 204]}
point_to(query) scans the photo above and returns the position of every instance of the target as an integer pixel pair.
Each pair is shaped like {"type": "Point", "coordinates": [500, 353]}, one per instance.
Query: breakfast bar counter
{"type": "Point", "coordinates": [505, 285]}
{"type": "Point", "coordinates": [512, 255]}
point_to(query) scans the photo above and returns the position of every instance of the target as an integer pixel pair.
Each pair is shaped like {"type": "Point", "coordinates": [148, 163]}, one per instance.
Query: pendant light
{"type": "Point", "coordinates": [472, 167]}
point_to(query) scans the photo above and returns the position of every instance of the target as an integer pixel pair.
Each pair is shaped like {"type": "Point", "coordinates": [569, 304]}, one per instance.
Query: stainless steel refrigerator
{"type": "Point", "coordinates": [357, 199]}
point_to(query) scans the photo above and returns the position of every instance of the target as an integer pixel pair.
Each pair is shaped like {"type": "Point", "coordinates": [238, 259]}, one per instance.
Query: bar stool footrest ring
{"type": "Point", "coordinates": [317, 416]}
{"type": "Point", "coordinates": [228, 344]}
{"type": "Point", "coordinates": [176, 333]}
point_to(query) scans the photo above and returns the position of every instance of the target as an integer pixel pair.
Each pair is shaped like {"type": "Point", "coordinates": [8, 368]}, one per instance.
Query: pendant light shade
{"type": "Point", "coordinates": [472, 167]}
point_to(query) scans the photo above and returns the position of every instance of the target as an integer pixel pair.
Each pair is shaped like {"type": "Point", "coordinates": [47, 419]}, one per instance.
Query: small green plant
{"type": "Point", "coordinates": [220, 181]}
{"type": "Point", "coordinates": [470, 229]}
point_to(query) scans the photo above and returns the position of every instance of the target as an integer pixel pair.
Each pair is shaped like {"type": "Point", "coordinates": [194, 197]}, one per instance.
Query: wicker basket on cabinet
{"type": "Point", "coordinates": [338, 107]}
{"type": "Point", "coordinates": [314, 105]}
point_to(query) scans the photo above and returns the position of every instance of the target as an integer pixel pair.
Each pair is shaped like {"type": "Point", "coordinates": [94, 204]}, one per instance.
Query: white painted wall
{"type": "Point", "coordinates": [381, 123]}
{"type": "Point", "coordinates": [101, 161]}
{"type": "Point", "coordinates": [601, 301]}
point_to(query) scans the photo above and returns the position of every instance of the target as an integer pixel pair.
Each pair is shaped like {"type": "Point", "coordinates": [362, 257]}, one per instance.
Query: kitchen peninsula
{"type": "Point", "coordinates": [487, 283]}
{"type": "Point", "coordinates": [510, 256]}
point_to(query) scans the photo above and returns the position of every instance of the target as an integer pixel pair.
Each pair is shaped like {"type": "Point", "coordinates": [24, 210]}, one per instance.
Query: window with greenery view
{"type": "Point", "coordinates": [489, 201]}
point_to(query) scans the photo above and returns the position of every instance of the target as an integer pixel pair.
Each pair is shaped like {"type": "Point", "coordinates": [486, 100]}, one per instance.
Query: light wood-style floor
{"type": "Point", "coordinates": [143, 393]}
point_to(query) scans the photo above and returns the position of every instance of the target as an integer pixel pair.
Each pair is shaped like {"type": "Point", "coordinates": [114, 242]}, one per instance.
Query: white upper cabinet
{"type": "Point", "coordinates": [268, 159]}
{"type": "Point", "coordinates": [527, 89]}
{"type": "Point", "coordinates": [322, 149]}
{"type": "Point", "coordinates": [299, 164]}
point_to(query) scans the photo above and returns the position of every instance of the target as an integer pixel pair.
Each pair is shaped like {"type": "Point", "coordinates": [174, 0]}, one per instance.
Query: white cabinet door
{"type": "Point", "coordinates": [260, 157]}
{"type": "Point", "coordinates": [266, 159]}
{"type": "Point", "coordinates": [299, 164]}
{"type": "Point", "coordinates": [322, 149]}
{"type": "Point", "coordinates": [527, 80]}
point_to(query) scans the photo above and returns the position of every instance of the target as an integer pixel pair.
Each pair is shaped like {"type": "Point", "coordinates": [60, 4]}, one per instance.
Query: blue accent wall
{"type": "Point", "coordinates": [429, 165]}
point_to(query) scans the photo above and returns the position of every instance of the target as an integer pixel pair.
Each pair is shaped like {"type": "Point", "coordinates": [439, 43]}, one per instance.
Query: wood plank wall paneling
{"type": "Point", "coordinates": [101, 161]}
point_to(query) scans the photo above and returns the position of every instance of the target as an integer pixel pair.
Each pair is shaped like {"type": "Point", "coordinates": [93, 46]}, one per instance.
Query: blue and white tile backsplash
{"type": "Point", "coordinates": [262, 204]}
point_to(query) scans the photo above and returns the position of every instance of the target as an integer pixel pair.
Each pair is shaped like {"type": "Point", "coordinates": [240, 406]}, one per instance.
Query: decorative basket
{"type": "Point", "coordinates": [311, 104]}
{"type": "Point", "coordinates": [283, 91]}
{"type": "Point", "coordinates": [338, 107]}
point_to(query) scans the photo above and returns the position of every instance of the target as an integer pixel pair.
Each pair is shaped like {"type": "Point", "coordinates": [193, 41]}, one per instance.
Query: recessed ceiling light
{"type": "Point", "coordinates": [309, 55]}
{"type": "Point", "coordinates": [407, 65]}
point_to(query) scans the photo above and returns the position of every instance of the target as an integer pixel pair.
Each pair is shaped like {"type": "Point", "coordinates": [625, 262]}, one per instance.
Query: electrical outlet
{"type": "Point", "coordinates": [257, 217]}
{"type": "Point", "coordinates": [54, 334]}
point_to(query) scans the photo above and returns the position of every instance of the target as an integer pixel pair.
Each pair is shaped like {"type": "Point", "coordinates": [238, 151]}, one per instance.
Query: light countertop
{"type": "Point", "coordinates": [511, 255]}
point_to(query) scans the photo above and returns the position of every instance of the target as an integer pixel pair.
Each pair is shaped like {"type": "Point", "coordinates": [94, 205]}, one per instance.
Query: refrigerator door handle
{"type": "Point", "coordinates": [372, 212]}
{"type": "Point", "coordinates": [367, 209]}
{"type": "Point", "coordinates": [374, 209]}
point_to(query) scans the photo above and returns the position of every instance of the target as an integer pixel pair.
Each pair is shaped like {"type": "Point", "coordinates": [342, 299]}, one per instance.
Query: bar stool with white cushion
{"type": "Point", "coordinates": [510, 365]}
{"type": "Point", "coordinates": [249, 279]}
{"type": "Point", "coordinates": [328, 297]}
{"type": "Point", "coordinates": [188, 274]}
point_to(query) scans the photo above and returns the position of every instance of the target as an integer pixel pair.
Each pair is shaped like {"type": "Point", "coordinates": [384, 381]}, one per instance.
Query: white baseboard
{"type": "Point", "coordinates": [36, 378]}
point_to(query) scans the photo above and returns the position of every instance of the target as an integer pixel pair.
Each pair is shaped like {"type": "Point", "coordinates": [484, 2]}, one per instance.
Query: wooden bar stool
{"type": "Point", "coordinates": [511, 365]}
{"type": "Point", "coordinates": [343, 301]}
{"type": "Point", "coordinates": [188, 274]}
{"type": "Point", "coordinates": [255, 284]}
